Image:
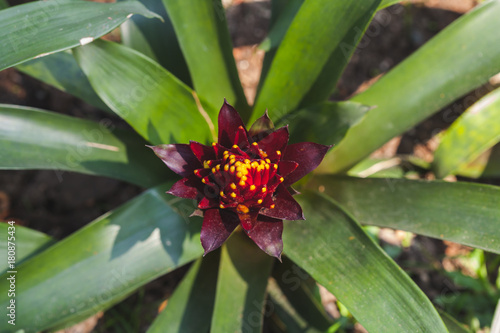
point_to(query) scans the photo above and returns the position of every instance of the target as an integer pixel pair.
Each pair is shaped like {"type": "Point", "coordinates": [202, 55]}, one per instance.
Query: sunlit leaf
{"type": "Point", "coordinates": [189, 310]}
{"type": "Point", "coordinates": [26, 243]}
{"type": "Point", "coordinates": [156, 39]}
{"type": "Point", "coordinates": [104, 262]}
{"type": "Point", "coordinates": [436, 209]}
{"type": "Point", "coordinates": [36, 139]}
{"type": "Point", "coordinates": [332, 247]}
{"type": "Point", "coordinates": [61, 71]}
{"type": "Point", "coordinates": [476, 130]}
{"type": "Point", "coordinates": [205, 42]}
{"type": "Point", "coordinates": [438, 73]}
{"type": "Point", "coordinates": [303, 53]}
{"type": "Point", "coordinates": [39, 28]}
{"type": "Point", "coordinates": [156, 104]}
{"type": "Point", "coordinates": [241, 286]}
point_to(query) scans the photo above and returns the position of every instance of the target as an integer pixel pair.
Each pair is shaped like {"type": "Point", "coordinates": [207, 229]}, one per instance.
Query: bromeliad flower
{"type": "Point", "coordinates": [244, 179]}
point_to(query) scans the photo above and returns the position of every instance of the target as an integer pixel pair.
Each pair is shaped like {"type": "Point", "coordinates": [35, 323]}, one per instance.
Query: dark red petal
{"type": "Point", "coordinates": [286, 167]}
{"type": "Point", "coordinates": [241, 138]}
{"type": "Point", "coordinates": [261, 128]}
{"type": "Point", "coordinates": [178, 157]}
{"type": "Point", "coordinates": [216, 228]}
{"type": "Point", "coordinates": [188, 188]}
{"type": "Point", "coordinates": [266, 233]}
{"type": "Point", "coordinates": [229, 121]}
{"type": "Point", "coordinates": [286, 208]}
{"type": "Point", "coordinates": [307, 154]}
{"type": "Point", "coordinates": [248, 220]}
{"type": "Point", "coordinates": [277, 140]}
{"type": "Point", "coordinates": [202, 152]}
{"type": "Point", "coordinates": [207, 203]}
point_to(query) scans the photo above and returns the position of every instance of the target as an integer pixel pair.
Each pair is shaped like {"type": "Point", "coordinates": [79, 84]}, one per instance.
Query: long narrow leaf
{"type": "Point", "coordinates": [476, 130]}
{"type": "Point", "coordinates": [325, 123]}
{"type": "Point", "coordinates": [487, 165]}
{"type": "Point", "coordinates": [204, 39]}
{"type": "Point", "coordinates": [460, 212]}
{"type": "Point", "coordinates": [61, 71]}
{"type": "Point", "coordinates": [104, 262]}
{"type": "Point", "coordinates": [189, 310]}
{"type": "Point", "coordinates": [452, 324]}
{"type": "Point", "coordinates": [303, 53]}
{"type": "Point", "coordinates": [284, 317]}
{"type": "Point", "coordinates": [334, 249]}
{"type": "Point", "coordinates": [3, 4]}
{"type": "Point", "coordinates": [26, 243]}
{"type": "Point", "coordinates": [438, 73]}
{"type": "Point", "coordinates": [299, 289]}
{"type": "Point", "coordinates": [241, 286]}
{"type": "Point", "coordinates": [155, 103]}
{"type": "Point", "coordinates": [39, 28]}
{"type": "Point", "coordinates": [36, 139]}
{"type": "Point", "coordinates": [157, 40]}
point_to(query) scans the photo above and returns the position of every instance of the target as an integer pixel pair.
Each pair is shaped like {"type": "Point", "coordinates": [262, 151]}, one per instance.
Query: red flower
{"type": "Point", "coordinates": [243, 179]}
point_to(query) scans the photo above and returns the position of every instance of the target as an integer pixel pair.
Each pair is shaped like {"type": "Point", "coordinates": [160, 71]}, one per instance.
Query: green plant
{"type": "Point", "coordinates": [167, 80]}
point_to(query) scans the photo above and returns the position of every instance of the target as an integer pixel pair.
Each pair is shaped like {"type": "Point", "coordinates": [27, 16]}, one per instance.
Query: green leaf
{"type": "Point", "coordinates": [487, 165]}
{"type": "Point", "coordinates": [61, 71]}
{"type": "Point", "coordinates": [334, 249]}
{"type": "Point", "coordinates": [436, 209]}
{"type": "Point", "coordinates": [282, 23]}
{"type": "Point", "coordinates": [387, 3]}
{"type": "Point", "coordinates": [476, 130]}
{"type": "Point", "coordinates": [304, 52]}
{"type": "Point", "coordinates": [284, 318]}
{"type": "Point", "coordinates": [325, 123]}
{"type": "Point", "coordinates": [376, 167]}
{"type": "Point", "coordinates": [301, 291]}
{"type": "Point", "coordinates": [452, 324]}
{"type": "Point", "coordinates": [189, 310]}
{"type": "Point", "coordinates": [28, 242]}
{"type": "Point", "coordinates": [204, 39]}
{"type": "Point", "coordinates": [445, 68]}
{"type": "Point", "coordinates": [104, 262]}
{"type": "Point", "coordinates": [36, 139]}
{"type": "Point", "coordinates": [157, 40]}
{"type": "Point", "coordinates": [241, 286]}
{"type": "Point", "coordinates": [39, 28]}
{"type": "Point", "coordinates": [154, 102]}
{"type": "Point", "coordinates": [3, 4]}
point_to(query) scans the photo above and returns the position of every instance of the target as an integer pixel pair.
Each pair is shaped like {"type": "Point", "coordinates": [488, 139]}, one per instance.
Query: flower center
{"type": "Point", "coordinates": [242, 183]}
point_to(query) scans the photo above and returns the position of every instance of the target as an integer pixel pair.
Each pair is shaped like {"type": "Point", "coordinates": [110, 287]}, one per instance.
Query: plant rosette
{"type": "Point", "coordinates": [243, 179]}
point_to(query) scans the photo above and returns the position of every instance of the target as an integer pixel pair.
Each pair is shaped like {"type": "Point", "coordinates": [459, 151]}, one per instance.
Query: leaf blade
{"type": "Point", "coordinates": [436, 209]}
{"type": "Point", "coordinates": [204, 39]}
{"type": "Point", "coordinates": [193, 298]}
{"type": "Point", "coordinates": [243, 268]}
{"type": "Point", "coordinates": [113, 256]}
{"type": "Point", "coordinates": [157, 40]}
{"type": "Point", "coordinates": [159, 106]}
{"type": "Point", "coordinates": [476, 130]}
{"type": "Point", "coordinates": [36, 139]}
{"type": "Point", "coordinates": [303, 53]}
{"type": "Point", "coordinates": [72, 23]}
{"type": "Point", "coordinates": [28, 242]}
{"type": "Point", "coordinates": [361, 270]}
{"type": "Point", "coordinates": [61, 71]}
{"type": "Point", "coordinates": [425, 82]}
